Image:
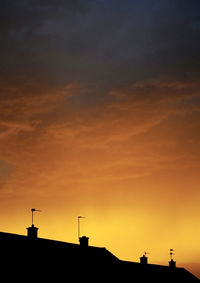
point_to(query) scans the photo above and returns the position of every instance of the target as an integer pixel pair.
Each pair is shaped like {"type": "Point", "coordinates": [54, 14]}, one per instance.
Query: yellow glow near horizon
{"type": "Point", "coordinates": [132, 170]}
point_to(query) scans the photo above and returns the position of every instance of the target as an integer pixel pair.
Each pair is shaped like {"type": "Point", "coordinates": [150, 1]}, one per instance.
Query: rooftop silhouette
{"type": "Point", "coordinates": [50, 260]}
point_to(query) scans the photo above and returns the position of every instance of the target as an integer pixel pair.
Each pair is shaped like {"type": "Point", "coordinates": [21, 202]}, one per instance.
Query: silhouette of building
{"type": "Point", "coordinates": [48, 260]}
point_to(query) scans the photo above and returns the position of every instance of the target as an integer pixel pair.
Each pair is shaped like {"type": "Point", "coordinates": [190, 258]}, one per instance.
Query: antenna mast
{"type": "Point", "coordinates": [33, 210]}
{"type": "Point", "coordinates": [146, 253]}
{"type": "Point", "coordinates": [171, 253]}
{"type": "Point", "coordinates": [79, 217]}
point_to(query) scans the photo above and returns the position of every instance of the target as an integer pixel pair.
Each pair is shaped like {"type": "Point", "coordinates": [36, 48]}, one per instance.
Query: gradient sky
{"type": "Point", "coordinates": [100, 117]}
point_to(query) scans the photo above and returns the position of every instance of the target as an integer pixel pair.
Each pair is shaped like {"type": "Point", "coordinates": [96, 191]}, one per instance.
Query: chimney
{"type": "Point", "coordinates": [32, 232]}
{"type": "Point", "coordinates": [172, 263]}
{"type": "Point", "coordinates": [83, 241]}
{"type": "Point", "coordinates": [143, 259]}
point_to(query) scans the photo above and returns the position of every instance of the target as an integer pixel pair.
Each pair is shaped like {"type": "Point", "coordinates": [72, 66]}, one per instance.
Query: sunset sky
{"type": "Point", "coordinates": [100, 117]}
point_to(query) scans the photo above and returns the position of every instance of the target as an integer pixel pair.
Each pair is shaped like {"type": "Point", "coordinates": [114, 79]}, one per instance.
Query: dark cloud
{"type": "Point", "coordinates": [19, 14]}
{"type": "Point", "coordinates": [104, 43]}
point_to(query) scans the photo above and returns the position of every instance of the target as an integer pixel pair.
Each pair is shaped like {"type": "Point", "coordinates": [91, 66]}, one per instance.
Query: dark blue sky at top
{"type": "Point", "coordinates": [105, 43]}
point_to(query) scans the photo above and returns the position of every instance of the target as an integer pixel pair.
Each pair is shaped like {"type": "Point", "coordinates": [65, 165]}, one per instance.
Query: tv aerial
{"type": "Point", "coordinates": [145, 254]}
{"type": "Point", "coordinates": [79, 218]}
{"type": "Point", "coordinates": [171, 253]}
{"type": "Point", "coordinates": [32, 211]}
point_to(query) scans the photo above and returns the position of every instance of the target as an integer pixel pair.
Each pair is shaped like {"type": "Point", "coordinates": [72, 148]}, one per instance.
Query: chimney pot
{"type": "Point", "coordinates": [32, 232]}
{"type": "Point", "coordinates": [143, 259]}
{"type": "Point", "coordinates": [172, 263]}
{"type": "Point", "coordinates": [83, 241]}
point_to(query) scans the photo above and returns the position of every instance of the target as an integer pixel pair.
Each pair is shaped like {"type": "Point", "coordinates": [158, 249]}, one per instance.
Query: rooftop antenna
{"type": "Point", "coordinates": [33, 210]}
{"type": "Point", "coordinates": [172, 263]}
{"type": "Point", "coordinates": [79, 218]}
{"type": "Point", "coordinates": [144, 258]}
{"type": "Point", "coordinates": [171, 252]}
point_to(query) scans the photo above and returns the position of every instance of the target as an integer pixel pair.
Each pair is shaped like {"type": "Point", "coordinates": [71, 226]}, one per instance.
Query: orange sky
{"type": "Point", "coordinates": [131, 167]}
{"type": "Point", "coordinates": [100, 117]}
